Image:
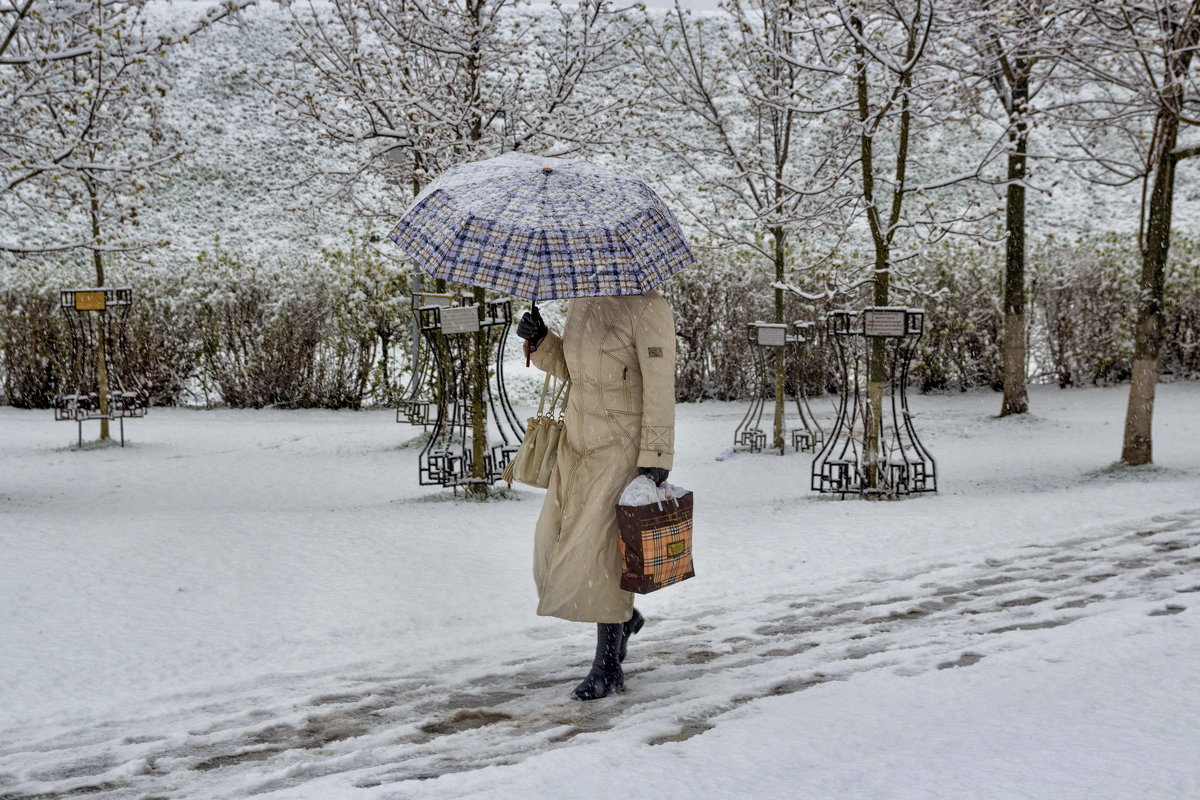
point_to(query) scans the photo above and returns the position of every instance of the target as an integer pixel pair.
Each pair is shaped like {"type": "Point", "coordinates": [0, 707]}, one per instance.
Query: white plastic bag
{"type": "Point", "coordinates": [641, 491]}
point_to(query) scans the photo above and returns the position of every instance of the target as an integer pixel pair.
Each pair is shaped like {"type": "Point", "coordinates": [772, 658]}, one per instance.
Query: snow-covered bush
{"type": "Point", "coordinates": [319, 333]}
{"type": "Point", "coordinates": [296, 334]}
{"type": "Point", "coordinates": [713, 303]}
{"type": "Point", "coordinates": [711, 312]}
{"type": "Point", "coordinates": [1083, 297]}
{"type": "Point", "coordinates": [1181, 346]}
{"type": "Point", "coordinates": [32, 342]}
{"type": "Point", "coordinates": [332, 331]}
{"type": "Point", "coordinates": [964, 323]}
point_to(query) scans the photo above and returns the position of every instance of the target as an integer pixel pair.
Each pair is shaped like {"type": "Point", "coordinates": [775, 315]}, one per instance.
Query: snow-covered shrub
{"type": "Point", "coordinates": [158, 345]}
{"type": "Point", "coordinates": [32, 344]}
{"type": "Point", "coordinates": [964, 321]}
{"type": "Point", "coordinates": [298, 334]}
{"type": "Point", "coordinates": [333, 330]}
{"type": "Point", "coordinates": [301, 334]}
{"type": "Point", "coordinates": [258, 329]}
{"type": "Point", "coordinates": [160, 336]}
{"type": "Point", "coordinates": [1181, 345]}
{"type": "Point", "coordinates": [713, 303]}
{"type": "Point", "coordinates": [1082, 294]}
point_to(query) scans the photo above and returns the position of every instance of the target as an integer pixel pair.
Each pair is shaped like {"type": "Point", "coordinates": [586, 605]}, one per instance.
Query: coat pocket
{"type": "Point", "coordinates": [619, 373]}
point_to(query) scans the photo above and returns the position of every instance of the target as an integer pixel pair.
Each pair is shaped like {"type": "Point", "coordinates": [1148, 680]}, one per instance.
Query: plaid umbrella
{"type": "Point", "coordinates": [543, 228]}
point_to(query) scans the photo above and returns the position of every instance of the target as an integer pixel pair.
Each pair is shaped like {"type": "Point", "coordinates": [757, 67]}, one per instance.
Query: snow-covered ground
{"type": "Point", "coordinates": [265, 604]}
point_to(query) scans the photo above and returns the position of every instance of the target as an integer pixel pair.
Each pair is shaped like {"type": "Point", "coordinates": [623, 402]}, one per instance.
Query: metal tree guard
{"type": "Point", "coordinates": [96, 320]}
{"type": "Point", "coordinates": [904, 465]}
{"type": "Point", "coordinates": [449, 331]}
{"type": "Point", "coordinates": [418, 405]}
{"type": "Point", "coordinates": [765, 339]}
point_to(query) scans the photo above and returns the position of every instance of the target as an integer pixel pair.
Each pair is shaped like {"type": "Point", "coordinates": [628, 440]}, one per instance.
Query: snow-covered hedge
{"type": "Point", "coordinates": [1079, 314]}
{"type": "Point", "coordinates": [327, 332]}
{"type": "Point", "coordinates": [332, 331]}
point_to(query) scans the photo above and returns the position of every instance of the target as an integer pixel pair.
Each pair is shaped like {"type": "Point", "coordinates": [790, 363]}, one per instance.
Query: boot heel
{"type": "Point", "coordinates": [629, 628]}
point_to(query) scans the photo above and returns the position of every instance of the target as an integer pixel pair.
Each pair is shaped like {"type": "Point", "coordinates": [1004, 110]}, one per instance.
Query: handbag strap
{"type": "Point", "coordinates": [542, 400]}
{"type": "Point", "coordinates": [564, 386]}
{"type": "Point", "coordinates": [562, 409]}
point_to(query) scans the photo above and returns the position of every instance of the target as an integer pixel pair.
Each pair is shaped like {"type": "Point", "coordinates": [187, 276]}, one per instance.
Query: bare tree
{"type": "Point", "coordinates": [406, 88]}
{"type": "Point", "coordinates": [68, 70]}
{"type": "Point", "coordinates": [81, 133]}
{"type": "Point", "coordinates": [739, 83]}
{"type": "Point", "coordinates": [885, 97]}
{"type": "Point", "coordinates": [1013, 47]}
{"type": "Point", "coordinates": [884, 53]}
{"type": "Point", "coordinates": [1141, 61]}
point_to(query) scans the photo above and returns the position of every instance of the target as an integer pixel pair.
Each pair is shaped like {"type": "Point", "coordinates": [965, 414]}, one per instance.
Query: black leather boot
{"type": "Point", "coordinates": [632, 626]}
{"type": "Point", "coordinates": [606, 675]}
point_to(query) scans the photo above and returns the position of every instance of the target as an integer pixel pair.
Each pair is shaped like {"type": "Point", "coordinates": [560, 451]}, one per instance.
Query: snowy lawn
{"type": "Point", "coordinates": [264, 603]}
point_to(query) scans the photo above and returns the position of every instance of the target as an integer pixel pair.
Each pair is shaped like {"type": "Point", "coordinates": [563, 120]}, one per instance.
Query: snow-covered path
{"type": "Point", "coordinates": [261, 604]}
{"type": "Point", "coordinates": [684, 675]}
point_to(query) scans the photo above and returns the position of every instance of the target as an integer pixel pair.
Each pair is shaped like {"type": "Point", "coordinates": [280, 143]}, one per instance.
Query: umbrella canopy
{"type": "Point", "coordinates": [543, 228]}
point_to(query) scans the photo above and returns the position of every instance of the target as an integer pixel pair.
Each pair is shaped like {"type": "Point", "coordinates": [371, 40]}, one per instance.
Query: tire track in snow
{"type": "Point", "coordinates": [683, 675]}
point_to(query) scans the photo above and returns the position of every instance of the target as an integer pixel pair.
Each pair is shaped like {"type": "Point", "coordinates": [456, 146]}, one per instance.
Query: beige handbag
{"type": "Point", "coordinates": [535, 459]}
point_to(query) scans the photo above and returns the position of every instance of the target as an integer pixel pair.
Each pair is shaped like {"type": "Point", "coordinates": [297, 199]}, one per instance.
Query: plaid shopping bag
{"type": "Point", "coordinates": [656, 544]}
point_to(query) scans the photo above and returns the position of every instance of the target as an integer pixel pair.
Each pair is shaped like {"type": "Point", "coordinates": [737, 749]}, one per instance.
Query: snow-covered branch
{"type": "Point", "coordinates": [405, 89]}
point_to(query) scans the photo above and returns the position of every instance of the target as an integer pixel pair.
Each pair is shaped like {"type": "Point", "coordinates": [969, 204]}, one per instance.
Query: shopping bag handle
{"type": "Point", "coordinates": [672, 498]}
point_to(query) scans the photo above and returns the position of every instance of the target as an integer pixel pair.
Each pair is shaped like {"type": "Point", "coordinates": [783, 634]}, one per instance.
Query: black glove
{"type": "Point", "coordinates": [531, 328]}
{"type": "Point", "coordinates": [656, 474]}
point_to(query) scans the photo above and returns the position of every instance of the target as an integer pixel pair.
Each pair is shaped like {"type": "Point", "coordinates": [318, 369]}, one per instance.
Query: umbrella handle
{"type": "Point", "coordinates": [533, 312]}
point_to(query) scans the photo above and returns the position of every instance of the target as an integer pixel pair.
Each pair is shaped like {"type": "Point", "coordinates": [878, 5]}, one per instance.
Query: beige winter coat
{"type": "Point", "coordinates": [619, 353]}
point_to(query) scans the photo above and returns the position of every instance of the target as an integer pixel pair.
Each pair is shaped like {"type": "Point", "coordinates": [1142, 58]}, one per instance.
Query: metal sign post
{"type": "Point", "coordinates": [418, 405]}
{"type": "Point", "coordinates": [96, 320]}
{"type": "Point", "coordinates": [449, 332]}
{"type": "Point", "coordinates": [903, 464]}
{"type": "Point", "coordinates": [766, 338]}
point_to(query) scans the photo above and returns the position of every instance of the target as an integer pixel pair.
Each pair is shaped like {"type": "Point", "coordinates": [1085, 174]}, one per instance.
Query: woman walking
{"type": "Point", "coordinates": [619, 353]}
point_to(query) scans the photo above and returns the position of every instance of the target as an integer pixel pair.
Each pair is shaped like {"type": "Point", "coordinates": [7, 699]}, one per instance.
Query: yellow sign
{"type": "Point", "coordinates": [89, 301]}
{"type": "Point", "coordinates": [425, 300]}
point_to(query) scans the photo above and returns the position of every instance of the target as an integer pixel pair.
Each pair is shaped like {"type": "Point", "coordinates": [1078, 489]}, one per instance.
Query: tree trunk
{"type": "Point", "coordinates": [102, 327]}
{"type": "Point", "coordinates": [479, 437]}
{"type": "Point", "coordinates": [1137, 446]}
{"type": "Point", "coordinates": [1156, 240]}
{"type": "Point", "coordinates": [875, 351]}
{"type": "Point", "coordinates": [876, 380]}
{"type": "Point", "coordinates": [385, 346]}
{"type": "Point", "coordinates": [1015, 398]}
{"type": "Point", "coordinates": [882, 235]}
{"type": "Point", "coordinates": [479, 367]}
{"type": "Point", "coordinates": [780, 365]}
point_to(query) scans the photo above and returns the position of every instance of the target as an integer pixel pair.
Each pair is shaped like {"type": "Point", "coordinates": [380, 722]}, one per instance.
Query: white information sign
{"type": "Point", "coordinates": [772, 334]}
{"type": "Point", "coordinates": [883, 322]}
{"type": "Point", "coordinates": [460, 319]}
